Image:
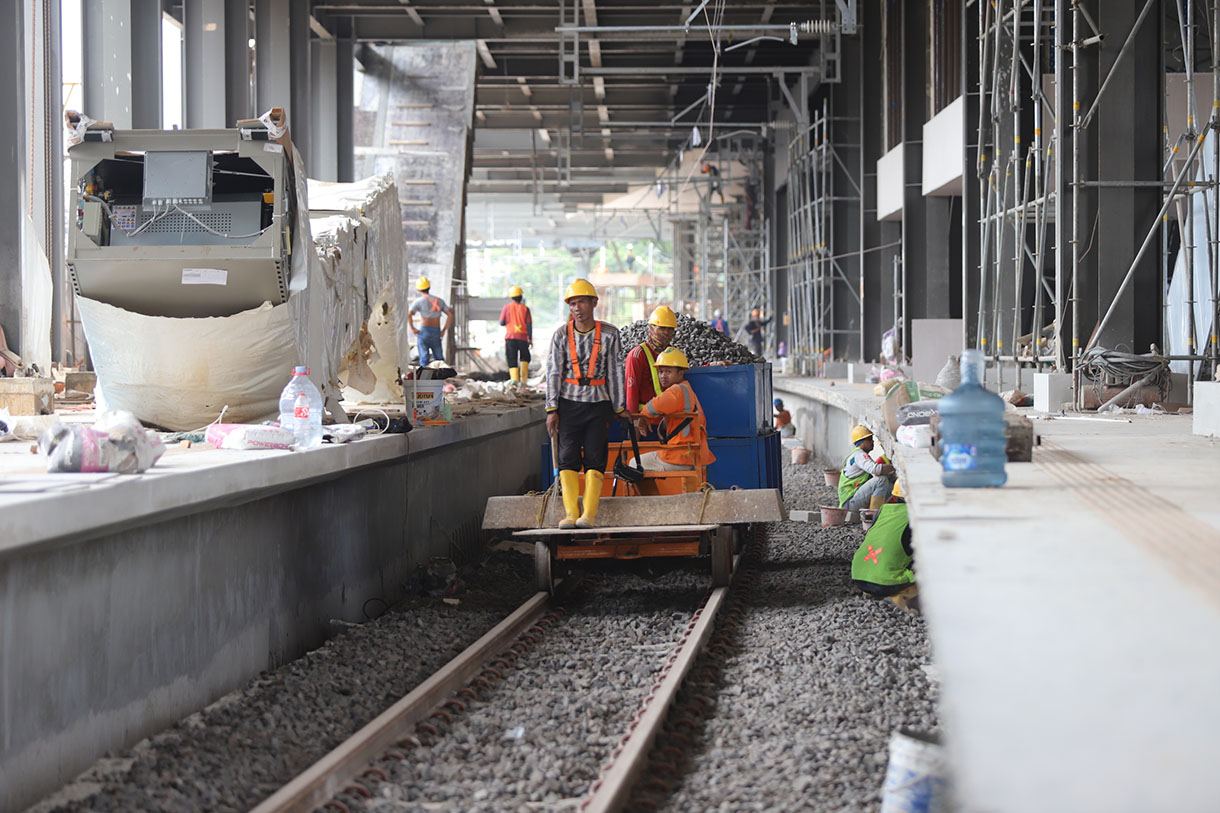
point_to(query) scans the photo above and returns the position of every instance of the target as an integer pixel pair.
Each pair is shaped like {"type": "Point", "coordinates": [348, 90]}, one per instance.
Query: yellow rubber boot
{"type": "Point", "coordinates": [525, 370]}
{"type": "Point", "coordinates": [569, 482]}
{"type": "Point", "coordinates": [593, 493]}
{"type": "Point", "coordinates": [514, 374]}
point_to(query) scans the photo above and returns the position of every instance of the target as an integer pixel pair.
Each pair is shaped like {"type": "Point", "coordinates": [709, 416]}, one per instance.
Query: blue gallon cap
{"type": "Point", "coordinates": [300, 371]}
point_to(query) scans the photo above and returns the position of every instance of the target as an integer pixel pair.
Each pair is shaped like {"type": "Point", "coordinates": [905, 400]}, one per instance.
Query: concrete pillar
{"type": "Point", "coordinates": [847, 108]}
{"type": "Point", "coordinates": [324, 134]}
{"type": "Point", "coordinates": [301, 79]}
{"type": "Point", "coordinates": [271, 44]}
{"type": "Point", "coordinates": [238, 102]}
{"type": "Point", "coordinates": [878, 292]}
{"type": "Point", "coordinates": [345, 102]}
{"type": "Point", "coordinates": [147, 94]}
{"type": "Point", "coordinates": [1129, 118]}
{"type": "Point", "coordinates": [203, 32]}
{"type": "Point", "coordinates": [922, 282]}
{"type": "Point", "coordinates": [46, 151]}
{"type": "Point", "coordinates": [106, 39]}
{"type": "Point", "coordinates": [12, 170]}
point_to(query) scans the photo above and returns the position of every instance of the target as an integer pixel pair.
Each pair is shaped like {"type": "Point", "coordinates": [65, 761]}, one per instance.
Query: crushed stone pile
{"type": "Point", "coordinates": [701, 343]}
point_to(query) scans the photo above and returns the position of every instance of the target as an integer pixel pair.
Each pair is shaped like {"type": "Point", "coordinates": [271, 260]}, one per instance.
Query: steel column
{"type": "Point", "coordinates": [272, 67]}
{"type": "Point", "coordinates": [301, 78]}
{"type": "Point", "coordinates": [238, 97]}
{"type": "Point", "coordinates": [323, 158]}
{"type": "Point", "coordinates": [12, 172]}
{"type": "Point", "coordinates": [345, 107]}
{"type": "Point", "coordinates": [203, 33]}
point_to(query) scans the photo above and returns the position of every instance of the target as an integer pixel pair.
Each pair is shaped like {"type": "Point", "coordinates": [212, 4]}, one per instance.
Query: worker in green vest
{"type": "Point", "coordinates": [882, 564]}
{"type": "Point", "coordinates": [862, 477]}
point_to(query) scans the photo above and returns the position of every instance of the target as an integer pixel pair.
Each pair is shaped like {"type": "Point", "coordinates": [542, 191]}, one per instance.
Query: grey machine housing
{"type": "Point", "coordinates": [221, 206]}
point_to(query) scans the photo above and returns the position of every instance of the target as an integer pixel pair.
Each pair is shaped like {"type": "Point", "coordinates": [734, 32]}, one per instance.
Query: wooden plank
{"type": "Point", "coordinates": [720, 507]}
{"type": "Point", "coordinates": [326, 777]}
{"type": "Point", "coordinates": [633, 531]}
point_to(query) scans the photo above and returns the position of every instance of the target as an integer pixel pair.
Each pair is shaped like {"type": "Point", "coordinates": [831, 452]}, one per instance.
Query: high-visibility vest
{"type": "Point", "coordinates": [652, 368]}
{"type": "Point", "coordinates": [518, 319]}
{"type": "Point", "coordinates": [577, 379]}
{"type": "Point", "coordinates": [849, 486]}
{"type": "Point", "coordinates": [881, 559]}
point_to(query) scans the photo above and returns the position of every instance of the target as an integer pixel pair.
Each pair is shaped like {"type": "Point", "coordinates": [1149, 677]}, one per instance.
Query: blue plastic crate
{"type": "Point", "coordinates": [736, 399]}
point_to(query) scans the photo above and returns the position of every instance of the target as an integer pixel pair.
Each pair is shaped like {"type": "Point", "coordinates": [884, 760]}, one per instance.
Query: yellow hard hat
{"type": "Point", "coordinates": [897, 490]}
{"type": "Point", "coordinates": [516, 291]}
{"type": "Point", "coordinates": [673, 357]}
{"type": "Point", "coordinates": [663, 317]}
{"type": "Point", "coordinates": [422, 284]}
{"type": "Point", "coordinates": [860, 433]}
{"type": "Point", "coordinates": [580, 287]}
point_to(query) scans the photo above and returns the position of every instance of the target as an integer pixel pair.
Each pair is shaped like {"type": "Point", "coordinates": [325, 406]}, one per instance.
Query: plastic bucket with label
{"type": "Point", "coordinates": [424, 398]}
{"type": "Point", "coordinates": [915, 781]}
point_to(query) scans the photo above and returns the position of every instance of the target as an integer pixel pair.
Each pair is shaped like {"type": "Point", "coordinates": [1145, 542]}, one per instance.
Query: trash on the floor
{"type": "Point", "coordinates": [115, 443]}
{"type": "Point", "coordinates": [245, 436]}
{"type": "Point", "coordinates": [344, 432]}
{"type": "Point", "coordinates": [6, 432]}
{"type": "Point", "coordinates": [915, 780]}
{"type": "Point", "coordinates": [515, 733]}
{"type": "Point", "coordinates": [1017, 398]}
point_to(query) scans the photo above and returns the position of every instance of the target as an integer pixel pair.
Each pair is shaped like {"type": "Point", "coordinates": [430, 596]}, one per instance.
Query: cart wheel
{"type": "Point", "coordinates": [542, 567]}
{"type": "Point", "coordinates": [722, 556]}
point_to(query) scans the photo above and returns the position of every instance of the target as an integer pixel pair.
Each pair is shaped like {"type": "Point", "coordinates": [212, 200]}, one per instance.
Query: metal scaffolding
{"type": "Point", "coordinates": [816, 273]}
{"type": "Point", "coordinates": [1037, 198]}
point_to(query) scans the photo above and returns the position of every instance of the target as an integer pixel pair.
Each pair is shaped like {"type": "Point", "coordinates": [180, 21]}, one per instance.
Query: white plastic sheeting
{"type": "Point", "coordinates": [179, 373]}
{"type": "Point", "coordinates": [1177, 317]}
{"type": "Point", "coordinates": [36, 296]}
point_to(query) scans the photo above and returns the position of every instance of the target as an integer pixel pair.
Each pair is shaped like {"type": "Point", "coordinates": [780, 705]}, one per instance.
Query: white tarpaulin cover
{"type": "Point", "coordinates": [1177, 317]}
{"type": "Point", "coordinates": [179, 373]}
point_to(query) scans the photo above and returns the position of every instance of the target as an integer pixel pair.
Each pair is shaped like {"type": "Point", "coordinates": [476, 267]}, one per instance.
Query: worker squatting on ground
{"type": "Point", "coordinates": [862, 477]}
{"type": "Point", "coordinates": [643, 383]}
{"type": "Point", "coordinates": [429, 335]}
{"type": "Point", "coordinates": [584, 390]}
{"type": "Point", "coordinates": [682, 425]}
{"type": "Point", "coordinates": [518, 334]}
{"type": "Point", "coordinates": [882, 564]}
{"type": "Point", "coordinates": [783, 420]}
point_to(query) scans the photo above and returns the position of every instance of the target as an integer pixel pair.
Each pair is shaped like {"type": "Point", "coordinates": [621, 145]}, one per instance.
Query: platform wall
{"type": "Point", "coordinates": [108, 640]}
{"type": "Point", "coordinates": [823, 428]}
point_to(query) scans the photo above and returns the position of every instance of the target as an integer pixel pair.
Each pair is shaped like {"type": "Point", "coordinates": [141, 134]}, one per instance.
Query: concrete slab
{"type": "Point", "coordinates": [1052, 391]}
{"type": "Point", "coordinates": [1067, 612]}
{"type": "Point", "coordinates": [1206, 408]}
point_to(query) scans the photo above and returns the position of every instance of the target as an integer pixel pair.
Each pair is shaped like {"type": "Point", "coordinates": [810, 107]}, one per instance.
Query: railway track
{"type": "Point", "coordinates": [357, 764]}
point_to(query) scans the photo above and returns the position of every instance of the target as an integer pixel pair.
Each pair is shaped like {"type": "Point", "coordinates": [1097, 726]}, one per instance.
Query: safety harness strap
{"type": "Point", "coordinates": [577, 379]}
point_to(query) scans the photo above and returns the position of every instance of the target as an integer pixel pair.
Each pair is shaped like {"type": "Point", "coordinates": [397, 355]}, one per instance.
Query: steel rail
{"type": "Point", "coordinates": [333, 772]}
{"type": "Point", "coordinates": [612, 790]}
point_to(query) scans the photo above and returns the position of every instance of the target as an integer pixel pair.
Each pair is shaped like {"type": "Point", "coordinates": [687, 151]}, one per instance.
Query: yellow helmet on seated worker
{"type": "Point", "coordinates": [673, 357]}
{"type": "Point", "coordinates": [897, 491]}
{"type": "Point", "coordinates": [580, 287]}
{"type": "Point", "coordinates": [663, 317]}
{"type": "Point", "coordinates": [422, 284]}
{"type": "Point", "coordinates": [860, 433]}
{"type": "Point", "coordinates": [516, 291]}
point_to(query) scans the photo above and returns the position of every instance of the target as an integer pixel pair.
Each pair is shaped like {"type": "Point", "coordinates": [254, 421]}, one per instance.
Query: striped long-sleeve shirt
{"type": "Point", "coordinates": [608, 367]}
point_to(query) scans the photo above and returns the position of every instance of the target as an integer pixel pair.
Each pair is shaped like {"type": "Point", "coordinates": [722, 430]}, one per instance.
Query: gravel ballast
{"type": "Point", "coordinates": [701, 342]}
{"type": "Point", "coordinates": [818, 678]}
{"type": "Point", "coordinates": [240, 749]}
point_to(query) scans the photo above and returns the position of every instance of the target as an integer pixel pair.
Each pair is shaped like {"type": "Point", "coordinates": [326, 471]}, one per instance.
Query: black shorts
{"type": "Point", "coordinates": [582, 434]}
{"type": "Point", "coordinates": [516, 349]}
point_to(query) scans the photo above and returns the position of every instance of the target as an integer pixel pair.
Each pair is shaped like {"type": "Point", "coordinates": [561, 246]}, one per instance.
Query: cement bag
{"type": "Point", "coordinates": [178, 373]}
{"type": "Point", "coordinates": [918, 413]}
{"type": "Point", "coordinates": [115, 443]}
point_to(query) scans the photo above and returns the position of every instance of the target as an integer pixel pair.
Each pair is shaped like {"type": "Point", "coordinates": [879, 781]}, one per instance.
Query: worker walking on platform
{"type": "Point", "coordinates": [754, 328]}
{"type": "Point", "coordinates": [584, 391]}
{"type": "Point", "coordinates": [882, 564]}
{"type": "Point", "coordinates": [863, 477]}
{"type": "Point", "coordinates": [429, 335]}
{"type": "Point", "coordinates": [518, 325]}
{"type": "Point", "coordinates": [682, 423]}
{"type": "Point", "coordinates": [643, 383]}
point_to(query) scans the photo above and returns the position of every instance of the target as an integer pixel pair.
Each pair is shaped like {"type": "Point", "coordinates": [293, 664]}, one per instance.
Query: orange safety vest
{"type": "Point", "coordinates": [577, 379]}
{"type": "Point", "coordinates": [518, 319]}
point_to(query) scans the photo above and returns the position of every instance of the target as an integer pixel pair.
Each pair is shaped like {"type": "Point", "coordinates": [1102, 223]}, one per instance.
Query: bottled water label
{"type": "Point", "coordinates": [960, 457]}
{"type": "Point", "coordinates": [301, 411]}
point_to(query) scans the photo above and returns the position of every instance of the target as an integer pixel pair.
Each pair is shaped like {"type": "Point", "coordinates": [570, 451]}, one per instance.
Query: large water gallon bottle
{"type": "Point", "coordinates": [308, 431]}
{"type": "Point", "coordinates": [972, 430]}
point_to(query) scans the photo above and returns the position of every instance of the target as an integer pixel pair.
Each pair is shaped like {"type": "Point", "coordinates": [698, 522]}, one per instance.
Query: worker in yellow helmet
{"type": "Point", "coordinates": [584, 391]}
{"type": "Point", "coordinates": [862, 476]}
{"type": "Point", "coordinates": [429, 335]}
{"type": "Point", "coordinates": [518, 334]}
{"type": "Point", "coordinates": [882, 566]}
{"type": "Point", "coordinates": [682, 425]}
{"type": "Point", "coordinates": [640, 368]}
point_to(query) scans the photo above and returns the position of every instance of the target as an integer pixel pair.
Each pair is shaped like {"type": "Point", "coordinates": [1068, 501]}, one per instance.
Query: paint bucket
{"type": "Point", "coordinates": [800, 457]}
{"type": "Point", "coordinates": [832, 515]}
{"type": "Point", "coordinates": [867, 517]}
{"type": "Point", "coordinates": [424, 398]}
{"type": "Point", "coordinates": [915, 781]}
{"type": "Point", "coordinates": [832, 477]}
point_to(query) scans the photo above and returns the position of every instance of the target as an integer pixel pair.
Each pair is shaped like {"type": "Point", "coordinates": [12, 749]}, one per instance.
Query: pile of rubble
{"type": "Point", "coordinates": [701, 343]}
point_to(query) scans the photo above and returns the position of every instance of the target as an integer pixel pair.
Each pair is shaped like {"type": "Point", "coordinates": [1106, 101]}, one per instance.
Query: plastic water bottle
{"type": "Point", "coordinates": [304, 419]}
{"type": "Point", "coordinates": [972, 431]}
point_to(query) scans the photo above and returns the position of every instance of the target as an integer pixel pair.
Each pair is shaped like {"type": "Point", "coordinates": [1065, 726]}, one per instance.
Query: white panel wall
{"type": "Point", "coordinates": [943, 151]}
{"type": "Point", "coordinates": [891, 171]}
